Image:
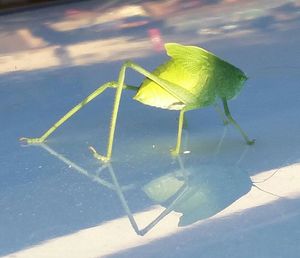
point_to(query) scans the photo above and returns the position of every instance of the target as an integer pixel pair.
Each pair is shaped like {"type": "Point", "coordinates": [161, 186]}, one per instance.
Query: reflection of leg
{"type": "Point", "coordinates": [179, 134]}
{"type": "Point", "coordinates": [180, 194]}
{"type": "Point", "coordinates": [119, 192]}
{"type": "Point", "coordinates": [231, 120]}
{"type": "Point", "coordinates": [96, 178]}
{"type": "Point", "coordinates": [220, 143]}
{"type": "Point", "coordinates": [70, 113]}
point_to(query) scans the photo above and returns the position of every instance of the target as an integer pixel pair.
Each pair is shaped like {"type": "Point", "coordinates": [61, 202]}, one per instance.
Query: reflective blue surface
{"type": "Point", "coordinates": [220, 198]}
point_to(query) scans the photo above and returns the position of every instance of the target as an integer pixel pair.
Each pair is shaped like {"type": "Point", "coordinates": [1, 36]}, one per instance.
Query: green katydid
{"type": "Point", "coordinates": [191, 79]}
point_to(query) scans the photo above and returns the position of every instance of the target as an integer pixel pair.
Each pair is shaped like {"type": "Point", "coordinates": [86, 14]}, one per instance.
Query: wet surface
{"type": "Point", "coordinates": [220, 198]}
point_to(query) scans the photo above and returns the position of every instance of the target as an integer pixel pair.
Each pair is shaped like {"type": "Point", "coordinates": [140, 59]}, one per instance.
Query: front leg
{"type": "Point", "coordinates": [231, 120]}
{"type": "Point", "coordinates": [221, 113]}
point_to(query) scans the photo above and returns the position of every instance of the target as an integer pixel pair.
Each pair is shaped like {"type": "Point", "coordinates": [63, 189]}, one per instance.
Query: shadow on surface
{"type": "Point", "coordinates": [258, 232]}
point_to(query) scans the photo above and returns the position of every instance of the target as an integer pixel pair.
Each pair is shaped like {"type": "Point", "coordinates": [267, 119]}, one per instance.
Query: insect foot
{"type": "Point", "coordinates": [31, 140]}
{"type": "Point", "coordinates": [174, 152]}
{"type": "Point", "coordinates": [98, 156]}
{"type": "Point", "coordinates": [251, 142]}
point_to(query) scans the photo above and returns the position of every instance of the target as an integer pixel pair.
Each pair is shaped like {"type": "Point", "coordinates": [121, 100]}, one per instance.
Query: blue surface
{"type": "Point", "coordinates": [43, 198]}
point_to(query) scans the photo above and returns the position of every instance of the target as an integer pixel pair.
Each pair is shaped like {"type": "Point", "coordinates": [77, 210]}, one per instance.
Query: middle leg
{"type": "Point", "coordinates": [231, 120]}
{"type": "Point", "coordinates": [176, 150]}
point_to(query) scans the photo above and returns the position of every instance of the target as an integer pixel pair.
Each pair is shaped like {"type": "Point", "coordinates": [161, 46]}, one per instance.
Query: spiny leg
{"type": "Point", "coordinates": [70, 113]}
{"type": "Point", "coordinates": [120, 86]}
{"type": "Point", "coordinates": [231, 120]}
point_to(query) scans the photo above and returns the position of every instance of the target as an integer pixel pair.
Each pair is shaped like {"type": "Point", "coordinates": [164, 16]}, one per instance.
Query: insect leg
{"type": "Point", "coordinates": [183, 95]}
{"type": "Point", "coordinates": [70, 113]}
{"type": "Point", "coordinates": [221, 113]}
{"type": "Point", "coordinates": [231, 120]}
{"type": "Point", "coordinates": [120, 86]}
{"type": "Point", "coordinates": [179, 134]}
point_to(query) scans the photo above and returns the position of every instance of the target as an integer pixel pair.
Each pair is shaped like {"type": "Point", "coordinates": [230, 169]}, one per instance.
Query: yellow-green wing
{"type": "Point", "coordinates": [226, 79]}
{"type": "Point", "coordinates": [191, 58]}
{"type": "Point", "coordinates": [195, 72]}
{"type": "Point", "coordinates": [150, 93]}
{"type": "Point", "coordinates": [184, 70]}
{"type": "Point", "coordinates": [201, 64]}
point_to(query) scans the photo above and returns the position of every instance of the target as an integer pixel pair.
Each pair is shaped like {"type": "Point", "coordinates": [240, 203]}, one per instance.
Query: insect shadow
{"type": "Point", "coordinates": [192, 78]}
{"type": "Point", "coordinates": [198, 192]}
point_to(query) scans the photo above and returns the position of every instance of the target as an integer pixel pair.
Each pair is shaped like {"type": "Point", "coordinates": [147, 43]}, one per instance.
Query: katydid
{"type": "Point", "coordinates": [191, 79]}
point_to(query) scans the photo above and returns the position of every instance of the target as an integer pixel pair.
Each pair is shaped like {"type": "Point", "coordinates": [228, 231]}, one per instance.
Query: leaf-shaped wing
{"type": "Point", "coordinates": [191, 58]}
{"type": "Point", "coordinates": [173, 88]}
{"type": "Point", "coordinates": [227, 79]}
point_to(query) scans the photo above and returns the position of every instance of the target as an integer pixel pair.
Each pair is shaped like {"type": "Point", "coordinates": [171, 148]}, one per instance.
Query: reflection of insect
{"type": "Point", "coordinates": [191, 79]}
{"type": "Point", "coordinates": [199, 193]}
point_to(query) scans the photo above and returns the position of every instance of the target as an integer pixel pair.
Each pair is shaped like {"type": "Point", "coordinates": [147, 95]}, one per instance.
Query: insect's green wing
{"type": "Point", "coordinates": [191, 58]}
{"type": "Point", "coordinates": [183, 70]}
{"type": "Point", "coordinates": [150, 93]}
{"type": "Point", "coordinates": [195, 72]}
{"type": "Point", "coordinates": [224, 79]}
{"type": "Point", "coordinates": [198, 62]}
